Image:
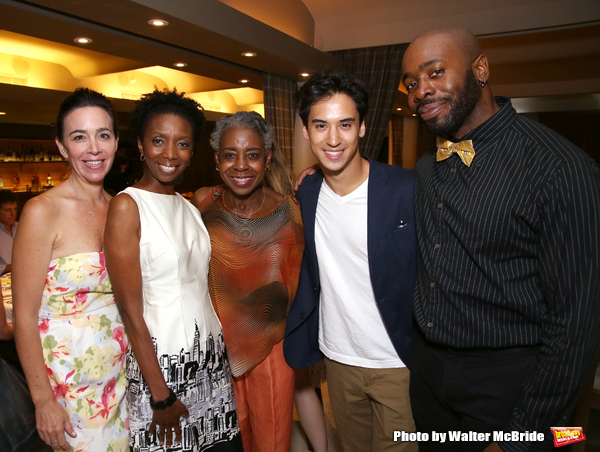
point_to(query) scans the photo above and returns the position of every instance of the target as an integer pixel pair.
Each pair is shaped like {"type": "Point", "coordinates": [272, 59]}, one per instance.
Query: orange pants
{"type": "Point", "coordinates": [264, 397]}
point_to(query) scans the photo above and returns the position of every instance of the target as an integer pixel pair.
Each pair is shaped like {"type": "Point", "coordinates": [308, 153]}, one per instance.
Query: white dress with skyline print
{"type": "Point", "coordinates": [187, 335]}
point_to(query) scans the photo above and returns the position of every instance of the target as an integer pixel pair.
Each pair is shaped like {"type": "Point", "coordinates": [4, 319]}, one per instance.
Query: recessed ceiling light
{"type": "Point", "coordinates": [180, 64]}
{"type": "Point", "coordinates": [414, 114]}
{"type": "Point", "coordinates": [82, 40]}
{"type": "Point", "coordinates": [2, 113]}
{"type": "Point", "coordinates": [158, 22]}
{"type": "Point", "coordinates": [243, 80]}
{"type": "Point", "coordinates": [399, 109]}
{"type": "Point", "coordinates": [249, 54]}
{"type": "Point", "coordinates": [305, 74]}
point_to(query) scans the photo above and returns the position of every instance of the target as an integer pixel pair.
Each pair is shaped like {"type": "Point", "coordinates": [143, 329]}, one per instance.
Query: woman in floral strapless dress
{"type": "Point", "coordinates": [68, 330]}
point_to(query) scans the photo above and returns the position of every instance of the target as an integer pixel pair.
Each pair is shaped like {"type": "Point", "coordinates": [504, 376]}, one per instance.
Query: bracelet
{"type": "Point", "coordinates": [163, 404]}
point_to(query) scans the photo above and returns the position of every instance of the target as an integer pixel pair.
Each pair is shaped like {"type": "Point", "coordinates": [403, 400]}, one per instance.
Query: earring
{"type": "Point", "coordinates": [218, 168]}
{"type": "Point", "coordinates": [142, 157]}
{"type": "Point", "coordinates": [483, 83]}
{"type": "Point", "coordinates": [268, 168]}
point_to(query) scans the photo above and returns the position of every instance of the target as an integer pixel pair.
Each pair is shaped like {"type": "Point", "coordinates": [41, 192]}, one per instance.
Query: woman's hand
{"type": "Point", "coordinates": [167, 420]}
{"type": "Point", "coordinates": [52, 422]}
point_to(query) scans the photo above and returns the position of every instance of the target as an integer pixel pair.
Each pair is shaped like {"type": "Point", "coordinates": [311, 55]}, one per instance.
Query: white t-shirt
{"type": "Point", "coordinates": [351, 330]}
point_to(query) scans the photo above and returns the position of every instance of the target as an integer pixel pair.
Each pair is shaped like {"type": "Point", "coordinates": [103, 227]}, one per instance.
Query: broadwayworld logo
{"type": "Point", "coordinates": [567, 435]}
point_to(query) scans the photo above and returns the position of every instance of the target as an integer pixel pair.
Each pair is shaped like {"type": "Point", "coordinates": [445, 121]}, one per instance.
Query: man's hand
{"type": "Point", "coordinates": [307, 172]}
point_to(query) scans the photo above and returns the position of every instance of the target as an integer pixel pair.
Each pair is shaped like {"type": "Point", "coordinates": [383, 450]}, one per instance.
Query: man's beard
{"type": "Point", "coordinates": [460, 108]}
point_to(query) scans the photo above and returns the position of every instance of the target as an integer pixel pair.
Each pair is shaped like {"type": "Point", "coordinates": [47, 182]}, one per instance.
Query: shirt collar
{"type": "Point", "coordinates": [494, 126]}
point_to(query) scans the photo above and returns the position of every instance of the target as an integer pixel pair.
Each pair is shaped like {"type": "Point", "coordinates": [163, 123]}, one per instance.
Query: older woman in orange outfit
{"type": "Point", "coordinates": [257, 241]}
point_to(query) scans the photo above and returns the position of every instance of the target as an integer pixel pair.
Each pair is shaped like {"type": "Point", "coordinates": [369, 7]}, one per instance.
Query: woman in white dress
{"type": "Point", "coordinates": [157, 252]}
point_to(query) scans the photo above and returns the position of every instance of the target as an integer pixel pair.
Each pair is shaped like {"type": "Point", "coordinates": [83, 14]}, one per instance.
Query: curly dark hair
{"type": "Point", "coordinates": [166, 102]}
{"type": "Point", "coordinates": [83, 97]}
{"type": "Point", "coordinates": [326, 83]}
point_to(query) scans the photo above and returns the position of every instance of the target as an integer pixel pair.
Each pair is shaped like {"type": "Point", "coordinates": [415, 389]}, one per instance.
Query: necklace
{"type": "Point", "coordinates": [244, 214]}
{"type": "Point", "coordinates": [90, 211]}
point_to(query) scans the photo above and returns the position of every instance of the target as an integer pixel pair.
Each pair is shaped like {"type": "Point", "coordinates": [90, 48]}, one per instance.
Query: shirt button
{"type": "Point", "coordinates": [436, 246]}
{"type": "Point", "coordinates": [453, 170]}
{"type": "Point", "coordinates": [439, 205]}
{"type": "Point", "coordinates": [432, 285]}
{"type": "Point", "coordinates": [429, 325]}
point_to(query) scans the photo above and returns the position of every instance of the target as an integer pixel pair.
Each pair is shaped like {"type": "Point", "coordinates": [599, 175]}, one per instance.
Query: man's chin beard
{"type": "Point", "coordinates": [439, 128]}
{"type": "Point", "coordinates": [460, 108]}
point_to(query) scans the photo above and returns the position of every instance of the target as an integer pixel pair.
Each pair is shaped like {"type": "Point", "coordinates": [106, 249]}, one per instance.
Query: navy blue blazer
{"type": "Point", "coordinates": [392, 250]}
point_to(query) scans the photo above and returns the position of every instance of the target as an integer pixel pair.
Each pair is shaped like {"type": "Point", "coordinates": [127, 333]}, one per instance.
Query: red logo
{"type": "Point", "coordinates": [567, 435]}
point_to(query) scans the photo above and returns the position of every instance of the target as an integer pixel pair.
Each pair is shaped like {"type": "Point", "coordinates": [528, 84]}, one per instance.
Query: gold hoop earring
{"type": "Point", "coordinates": [218, 167]}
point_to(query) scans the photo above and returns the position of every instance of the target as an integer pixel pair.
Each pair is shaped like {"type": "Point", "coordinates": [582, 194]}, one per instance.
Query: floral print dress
{"type": "Point", "coordinates": [85, 349]}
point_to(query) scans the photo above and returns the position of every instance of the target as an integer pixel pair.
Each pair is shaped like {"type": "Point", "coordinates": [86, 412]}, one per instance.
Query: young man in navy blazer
{"type": "Point", "coordinates": [354, 298]}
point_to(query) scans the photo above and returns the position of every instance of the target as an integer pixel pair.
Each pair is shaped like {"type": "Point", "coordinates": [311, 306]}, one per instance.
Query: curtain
{"type": "Point", "coordinates": [396, 139]}
{"type": "Point", "coordinates": [379, 68]}
{"type": "Point", "coordinates": [280, 111]}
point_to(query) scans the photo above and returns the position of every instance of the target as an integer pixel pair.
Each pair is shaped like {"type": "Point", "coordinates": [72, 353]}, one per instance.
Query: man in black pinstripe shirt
{"type": "Point", "coordinates": [508, 293]}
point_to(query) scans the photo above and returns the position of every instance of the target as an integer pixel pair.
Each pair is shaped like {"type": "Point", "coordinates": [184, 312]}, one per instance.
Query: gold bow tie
{"type": "Point", "coordinates": [464, 149]}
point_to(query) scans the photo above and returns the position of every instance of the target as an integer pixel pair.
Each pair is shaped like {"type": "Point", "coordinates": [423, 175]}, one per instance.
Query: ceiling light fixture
{"type": "Point", "coordinates": [180, 64]}
{"type": "Point", "coordinates": [158, 22]}
{"type": "Point", "coordinates": [305, 74]}
{"type": "Point", "coordinates": [82, 40]}
{"type": "Point", "coordinates": [399, 109]}
{"type": "Point", "coordinates": [2, 113]}
{"type": "Point", "coordinates": [249, 54]}
{"type": "Point", "coordinates": [243, 80]}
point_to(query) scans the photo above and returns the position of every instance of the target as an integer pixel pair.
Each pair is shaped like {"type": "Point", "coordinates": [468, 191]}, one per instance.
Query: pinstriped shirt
{"type": "Point", "coordinates": [509, 255]}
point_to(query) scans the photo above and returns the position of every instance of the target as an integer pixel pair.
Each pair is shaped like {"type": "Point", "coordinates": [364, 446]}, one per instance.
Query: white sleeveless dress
{"type": "Point", "coordinates": [187, 335]}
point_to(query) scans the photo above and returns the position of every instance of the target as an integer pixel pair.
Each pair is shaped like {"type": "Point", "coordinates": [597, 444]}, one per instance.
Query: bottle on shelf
{"type": "Point", "coordinates": [35, 183]}
{"type": "Point", "coordinates": [49, 181]}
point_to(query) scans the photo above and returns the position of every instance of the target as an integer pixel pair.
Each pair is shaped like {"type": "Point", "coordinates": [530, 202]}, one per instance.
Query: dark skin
{"type": "Point", "coordinates": [434, 68]}
{"type": "Point", "coordinates": [242, 154]}
{"type": "Point", "coordinates": [167, 148]}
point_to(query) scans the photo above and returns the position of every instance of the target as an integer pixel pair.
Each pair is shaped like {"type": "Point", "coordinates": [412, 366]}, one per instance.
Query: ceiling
{"type": "Point", "coordinates": [544, 53]}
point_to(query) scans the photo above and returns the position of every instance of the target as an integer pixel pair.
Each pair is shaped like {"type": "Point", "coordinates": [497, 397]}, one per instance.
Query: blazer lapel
{"type": "Point", "coordinates": [378, 199]}
{"type": "Point", "coordinates": [308, 205]}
